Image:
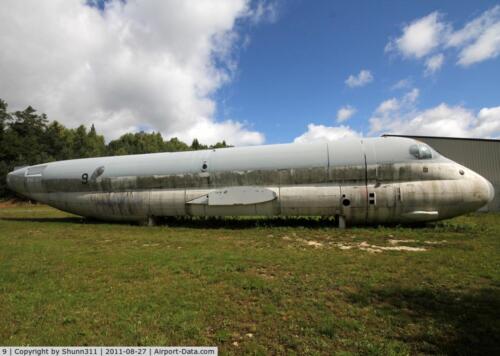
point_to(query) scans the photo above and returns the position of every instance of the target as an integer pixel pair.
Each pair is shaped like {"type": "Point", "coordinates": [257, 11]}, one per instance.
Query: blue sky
{"type": "Point", "coordinates": [293, 71]}
{"type": "Point", "coordinates": [256, 71]}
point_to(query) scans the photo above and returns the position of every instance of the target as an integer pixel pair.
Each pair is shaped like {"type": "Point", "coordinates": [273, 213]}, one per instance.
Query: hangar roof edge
{"type": "Point", "coordinates": [444, 137]}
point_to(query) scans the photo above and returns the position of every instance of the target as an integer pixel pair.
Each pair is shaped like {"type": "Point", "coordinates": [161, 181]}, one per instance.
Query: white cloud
{"type": "Point", "coordinates": [316, 133]}
{"type": "Point", "coordinates": [477, 41]}
{"type": "Point", "coordinates": [420, 37]}
{"type": "Point", "coordinates": [392, 105]}
{"type": "Point", "coordinates": [391, 109]}
{"type": "Point", "coordinates": [473, 29]}
{"type": "Point", "coordinates": [388, 106]}
{"type": "Point", "coordinates": [411, 97]}
{"type": "Point", "coordinates": [209, 131]}
{"type": "Point", "coordinates": [402, 84]}
{"type": "Point", "coordinates": [485, 47]}
{"type": "Point", "coordinates": [434, 63]}
{"type": "Point", "coordinates": [345, 113]}
{"type": "Point", "coordinates": [488, 122]}
{"type": "Point", "coordinates": [441, 120]}
{"type": "Point", "coordinates": [136, 64]}
{"type": "Point", "coordinates": [265, 11]}
{"type": "Point", "coordinates": [364, 77]}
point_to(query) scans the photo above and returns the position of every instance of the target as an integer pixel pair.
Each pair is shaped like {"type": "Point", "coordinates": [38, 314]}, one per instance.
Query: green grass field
{"type": "Point", "coordinates": [250, 286]}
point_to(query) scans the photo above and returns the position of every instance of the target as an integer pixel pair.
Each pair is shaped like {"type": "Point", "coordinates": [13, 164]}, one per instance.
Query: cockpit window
{"type": "Point", "coordinates": [421, 151]}
{"type": "Point", "coordinates": [35, 171]}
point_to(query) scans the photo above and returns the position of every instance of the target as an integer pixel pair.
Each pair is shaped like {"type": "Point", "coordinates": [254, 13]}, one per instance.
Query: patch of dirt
{"type": "Point", "coordinates": [395, 242]}
{"type": "Point", "coordinates": [264, 273]}
{"type": "Point", "coordinates": [7, 204]}
{"type": "Point", "coordinates": [436, 242]}
{"type": "Point", "coordinates": [311, 243]}
{"type": "Point", "coordinates": [401, 248]}
{"type": "Point", "coordinates": [344, 246]}
{"type": "Point", "coordinates": [365, 246]}
{"type": "Point", "coordinates": [14, 202]}
{"type": "Point", "coordinates": [314, 243]}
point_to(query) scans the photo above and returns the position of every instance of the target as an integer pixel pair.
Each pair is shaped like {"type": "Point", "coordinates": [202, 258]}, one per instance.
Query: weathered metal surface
{"type": "Point", "coordinates": [362, 181]}
{"type": "Point", "coordinates": [480, 155]}
{"type": "Point", "coordinates": [323, 200]}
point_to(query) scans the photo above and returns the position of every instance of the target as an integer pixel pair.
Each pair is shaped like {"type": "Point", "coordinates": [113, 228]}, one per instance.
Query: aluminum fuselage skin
{"type": "Point", "coordinates": [364, 181]}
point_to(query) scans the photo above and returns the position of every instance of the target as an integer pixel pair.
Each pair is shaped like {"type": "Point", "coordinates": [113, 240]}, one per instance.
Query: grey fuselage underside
{"type": "Point", "coordinates": [375, 180]}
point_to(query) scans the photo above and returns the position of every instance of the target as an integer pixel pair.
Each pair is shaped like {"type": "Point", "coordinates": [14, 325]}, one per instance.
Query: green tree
{"type": "Point", "coordinates": [222, 144]}
{"type": "Point", "coordinates": [175, 145]}
{"type": "Point", "coordinates": [140, 142]}
{"type": "Point", "coordinates": [4, 163]}
{"type": "Point", "coordinates": [95, 143]}
{"type": "Point", "coordinates": [4, 117]}
{"type": "Point", "coordinates": [80, 143]}
{"type": "Point", "coordinates": [196, 145]}
{"type": "Point", "coordinates": [23, 140]}
{"type": "Point", "coordinates": [59, 140]}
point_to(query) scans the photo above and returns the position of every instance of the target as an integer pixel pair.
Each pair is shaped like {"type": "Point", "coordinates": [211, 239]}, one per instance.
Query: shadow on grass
{"type": "Point", "coordinates": [308, 222]}
{"type": "Point", "coordinates": [63, 220]}
{"type": "Point", "coordinates": [249, 222]}
{"type": "Point", "coordinates": [201, 222]}
{"type": "Point", "coordinates": [449, 322]}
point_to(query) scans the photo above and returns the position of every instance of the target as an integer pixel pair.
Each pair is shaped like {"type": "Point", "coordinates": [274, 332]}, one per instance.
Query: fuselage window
{"type": "Point", "coordinates": [420, 151]}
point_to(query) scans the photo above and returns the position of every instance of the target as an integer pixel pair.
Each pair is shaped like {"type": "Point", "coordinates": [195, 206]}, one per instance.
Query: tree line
{"type": "Point", "coordinates": [28, 137]}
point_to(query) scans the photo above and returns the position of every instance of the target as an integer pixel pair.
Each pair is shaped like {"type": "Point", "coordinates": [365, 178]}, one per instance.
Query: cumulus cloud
{"type": "Point", "coordinates": [488, 122]}
{"type": "Point", "coordinates": [420, 37]}
{"type": "Point", "coordinates": [317, 133]}
{"type": "Point", "coordinates": [402, 84]}
{"type": "Point", "coordinates": [476, 41]}
{"type": "Point", "coordinates": [486, 46]}
{"type": "Point", "coordinates": [364, 77]}
{"type": "Point", "coordinates": [214, 131]}
{"type": "Point", "coordinates": [387, 106]}
{"type": "Point", "coordinates": [135, 64]}
{"type": "Point", "coordinates": [479, 39]}
{"type": "Point", "coordinates": [402, 117]}
{"type": "Point", "coordinates": [345, 113]}
{"type": "Point", "coordinates": [392, 109]}
{"type": "Point", "coordinates": [434, 63]}
{"type": "Point", "coordinates": [391, 105]}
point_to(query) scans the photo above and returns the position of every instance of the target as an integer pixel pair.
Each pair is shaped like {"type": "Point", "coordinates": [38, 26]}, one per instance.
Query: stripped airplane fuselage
{"type": "Point", "coordinates": [362, 181]}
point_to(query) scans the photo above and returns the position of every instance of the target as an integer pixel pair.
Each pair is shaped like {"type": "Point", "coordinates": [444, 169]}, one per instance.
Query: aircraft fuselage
{"type": "Point", "coordinates": [362, 181]}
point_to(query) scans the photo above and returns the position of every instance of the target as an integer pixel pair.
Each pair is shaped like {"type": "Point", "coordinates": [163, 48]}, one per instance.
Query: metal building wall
{"type": "Point", "coordinates": [480, 155]}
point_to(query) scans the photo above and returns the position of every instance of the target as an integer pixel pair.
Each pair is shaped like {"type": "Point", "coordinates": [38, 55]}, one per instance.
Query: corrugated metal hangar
{"type": "Point", "coordinates": [480, 155]}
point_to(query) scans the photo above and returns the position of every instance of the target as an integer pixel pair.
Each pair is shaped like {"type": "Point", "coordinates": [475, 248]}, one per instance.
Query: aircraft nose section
{"type": "Point", "coordinates": [486, 192]}
{"type": "Point", "coordinates": [9, 184]}
{"type": "Point", "coordinates": [491, 191]}
{"type": "Point", "coordinates": [15, 180]}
